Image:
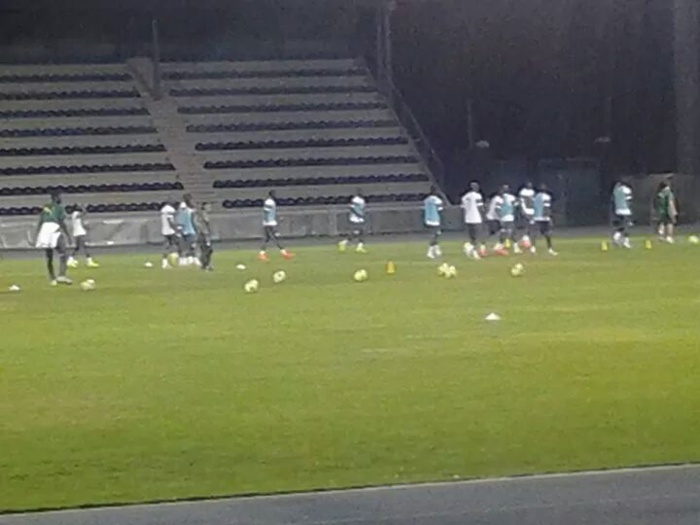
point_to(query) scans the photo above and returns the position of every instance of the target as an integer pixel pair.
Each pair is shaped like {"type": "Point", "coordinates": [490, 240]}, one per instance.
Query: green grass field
{"type": "Point", "coordinates": [173, 384]}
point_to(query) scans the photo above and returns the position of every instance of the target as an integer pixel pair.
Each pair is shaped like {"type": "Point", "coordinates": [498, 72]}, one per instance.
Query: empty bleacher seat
{"type": "Point", "coordinates": [319, 181]}
{"type": "Point", "coordinates": [274, 108]}
{"type": "Point", "coordinates": [92, 188]}
{"type": "Point", "coordinates": [57, 132]}
{"type": "Point", "coordinates": [272, 73]}
{"type": "Point", "coordinates": [77, 112]}
{"type": "Point", "coordinates": [319, 161]}
{"type": "Point", "coordinates": [63, 77]}
{"type": "Point", "coordinates": [270, 126]}
{"type": "Point", "coordinates": [271, 90]}
{"type": "Point", "coordinates": [301, 143]}
{"type": "Point", "coordinates": [324, 200]}
{"type": "Point", "coordinates": [81, 150]}
{"type": "Point", "coordinates": [95, 168]}
{"type": "Point", "coordinates": [52, 95]}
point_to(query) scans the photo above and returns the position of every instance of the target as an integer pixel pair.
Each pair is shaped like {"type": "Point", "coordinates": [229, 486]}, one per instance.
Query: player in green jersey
{"type": "Point", "coordinates": [52, 236]}
{"type": "Point", "coordinates": [666, 212]}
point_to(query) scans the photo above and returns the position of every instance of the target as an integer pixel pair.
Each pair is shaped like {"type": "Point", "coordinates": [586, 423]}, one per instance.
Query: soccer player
{"type": "Point", "coordinates": [357, 222]}
{"type": "Point", "coordinates": [505, 211]}
{"type": "Point", "coordinates": [494, 226]}
{"type": "Point", "coordinates": [473, 206]}
{"type": "Point", "coordinates": [52, 235]}
{"type": "Point", "coordinates": [622, 199]}
{"type": "Point", "coordinates": [79, 228]}
{"type": "Point", "coordinates": [526, 201]}
{"type": "Point", "coordinates": [666, 212]}
{"type": "Point", "coordinates": [203, 227]}
{"type": "Point", "coordinates": [542, 215]}
{"type": "Point", "coordinates": [168, 229]}
{"type": "Point", "coordinates": [432, 218]}
{"type": "Point", "coordinates": [188, 234]}
{"type": "Point", "coordinates": [270, 228]}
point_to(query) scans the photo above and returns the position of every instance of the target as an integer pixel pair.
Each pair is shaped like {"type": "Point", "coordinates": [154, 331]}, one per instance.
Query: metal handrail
{"type": "Point", "coordinates": [409, 121]}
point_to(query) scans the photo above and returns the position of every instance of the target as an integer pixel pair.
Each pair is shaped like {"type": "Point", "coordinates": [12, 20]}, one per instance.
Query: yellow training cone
{"type": "Point", "coordinates": [507, 244]}
{"type": "Point", "coordinates": [604, 246]}
{"type": "Point", "coordinates": [647, 244]}
{"type": "Point", "coordinates": [390, 268]}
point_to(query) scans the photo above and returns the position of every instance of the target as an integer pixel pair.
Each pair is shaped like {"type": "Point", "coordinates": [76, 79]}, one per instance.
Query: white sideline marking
{"type": "Point", "coordinates": [382, 488]}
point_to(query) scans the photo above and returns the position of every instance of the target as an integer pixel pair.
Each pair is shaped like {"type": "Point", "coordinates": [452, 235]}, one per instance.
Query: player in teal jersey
{"type": "Point", "coordinates": [52, 235]}
{"type": "Point", "coordinates": [270, 227]}
{"type": "Point", "coordinates": [432, 218]}
{"type": "Point", "coordinates": [188, 234]}
{"type": "Point", "coordinates": [622, 207]}
{"type": "Point", "coordinates": [505, 214]}
{"type": "Point", "coordinates": [543, 218]}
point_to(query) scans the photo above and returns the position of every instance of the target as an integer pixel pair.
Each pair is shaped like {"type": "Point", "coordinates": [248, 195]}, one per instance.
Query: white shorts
{"type": "Point", "coordinates": [49, 235]}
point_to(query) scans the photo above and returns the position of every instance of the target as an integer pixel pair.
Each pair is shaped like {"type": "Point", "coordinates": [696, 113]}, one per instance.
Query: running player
{"type": "Point", "coordinates": [52, 235]}
{"type": "Point", "coordinates": [506, 219]}
{"type": "Point", "coordinates": [168, 229]}
{"type": "Point", "coordinates": [666, 212]}
{"type": "Point", "coordinates": [542, 207]}
{"type": "Point", "coordinates": [622, 200]}
{"type": "Point", "coordinates": [432, 218]}
{"type": "Point", "coordinates": [203, 227]}
{"type": "Point", "coordinates": [357, 223]}
{"type": "Point", "coordinates": [526, 201]}
{"type": "Point", "coordinates": [80, 237]}
{"type": "Point", "coordinates": [492, 222]}
{"type": "Point", "coordinates": [188, 234]}
{"type": "Point", "coordinates": [270, 228]}
{"type": "Point", "coordinates": [473, 206]}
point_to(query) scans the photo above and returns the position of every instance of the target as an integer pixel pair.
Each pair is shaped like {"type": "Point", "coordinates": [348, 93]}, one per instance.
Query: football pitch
{"type": "Point", "coordinates": [172, 384]}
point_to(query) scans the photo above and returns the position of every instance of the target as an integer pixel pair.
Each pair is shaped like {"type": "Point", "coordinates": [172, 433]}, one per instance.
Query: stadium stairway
{"type": "Point", "coordinates": [172, 132]}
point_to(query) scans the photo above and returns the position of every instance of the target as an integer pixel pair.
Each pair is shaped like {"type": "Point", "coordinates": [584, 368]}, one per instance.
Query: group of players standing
{"type": "Point", "coordinates": [530, 212]}
{"type": "Point", "coordinates": [187, 234]}
{"type": "Point", "coordinates": [188, 241]}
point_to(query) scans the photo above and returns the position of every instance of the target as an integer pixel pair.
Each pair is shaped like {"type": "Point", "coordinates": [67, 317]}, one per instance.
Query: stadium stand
{"type": "Point", "coordinates": [83, 130]}
{"type": "Point", "coordinates": [314, 130]}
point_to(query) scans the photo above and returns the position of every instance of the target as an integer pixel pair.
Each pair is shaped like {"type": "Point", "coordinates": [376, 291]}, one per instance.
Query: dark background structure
{"type": "Point", "coordinates": [617, 81]}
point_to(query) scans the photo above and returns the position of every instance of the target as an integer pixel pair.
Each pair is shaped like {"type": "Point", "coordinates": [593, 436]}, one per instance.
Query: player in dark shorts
{"type": "Point", "coordinates": [204, 242]}
{"type": "Point", "coordinates": [666, 212]}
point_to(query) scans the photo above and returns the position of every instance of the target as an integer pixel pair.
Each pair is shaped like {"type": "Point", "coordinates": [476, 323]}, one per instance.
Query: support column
{"type": "Point", "coordinates": [388, 53]}
{"type": "Point", "coordinates": [687, 85]}
{"type": "Point", "coordinates": [155, 50]}
{"type": "Point", "coordinates": [380, 47]}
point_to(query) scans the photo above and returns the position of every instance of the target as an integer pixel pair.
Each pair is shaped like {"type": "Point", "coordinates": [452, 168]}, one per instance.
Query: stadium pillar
{"type": "Point", "coordinates": [380, 47]}
{"type": "Point", "coordinates": [686, 17]}
{"type": "Point", "coordinates": [155, 51]}
{"type": "Point", "coordinates": [388, 54]}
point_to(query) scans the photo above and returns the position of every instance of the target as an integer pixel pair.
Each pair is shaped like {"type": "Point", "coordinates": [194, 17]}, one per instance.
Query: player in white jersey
{"type": "Point", "coordinates": [526, 205]}
{"type": "Point", "coordinates": [622, 206]}
{"type": "Point", "coordinates": [270, 227]}
{"type": "Point", "coordinates": [168, 228]}
{"type": "Point", "coordinates": [473, 206]}
{"type": "Point", "coordinates": [80, 234]}
{"type": "Point", "coordinates": [356, 217]}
